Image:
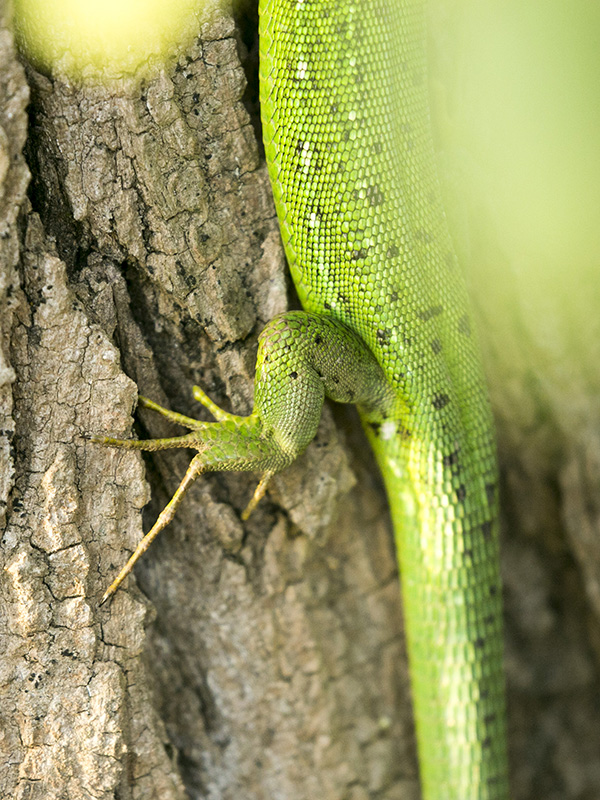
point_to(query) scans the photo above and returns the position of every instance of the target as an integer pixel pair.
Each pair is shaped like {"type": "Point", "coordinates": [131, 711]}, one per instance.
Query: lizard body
{"type": "Point", "coordinates": [387, 325]}
{"type": "Point", "coordinates": [347, 136]}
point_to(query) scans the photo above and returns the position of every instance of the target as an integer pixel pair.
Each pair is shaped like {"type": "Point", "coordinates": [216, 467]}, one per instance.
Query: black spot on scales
{"type": "Point", "coordinates": [440, 401]}
{"type": "Point", "coordinates": [464, 326]}
{"type": "Point", "coordinates": [461, 493]}
{"type": "Point", "coordinates": [436, 346]}
{"type": "Point", "coordinates": [430, 313]}
{"type": "Point", "coordinates": [489, 718]}
{"type": "Point", "coordinates": [490, 490]}
{"type": "Point", "coordinates": [451, 460]}
{"type": "Point", "coordinates": [479, 643]}
{"type": "Point", "coordinates": [318, 340]}
{"type": "Point", "coordinates": [489, 620]}
{"type": "Point", "coordinates": [486, 743]}
{"type": "Point", "coordinates": [293, 375]}
{"type": "Point", "coordinates": [326, 306]}
{"type": "Point", "coordinates": [405, 433]}
{"type": "Point", "coordinates": [357, 255]}
{"type": "Point", "coordinates": [375, 427]}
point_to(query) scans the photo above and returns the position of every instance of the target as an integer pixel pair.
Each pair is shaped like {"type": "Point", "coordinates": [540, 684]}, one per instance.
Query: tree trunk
{"type": "Point", "coordinates": [256, 660]}
{"type": "Point", "coordinates": [259, 660]}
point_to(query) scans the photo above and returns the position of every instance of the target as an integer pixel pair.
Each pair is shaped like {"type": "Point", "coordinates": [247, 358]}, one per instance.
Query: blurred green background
{"type": "Point", "coordinates": [516, 110]}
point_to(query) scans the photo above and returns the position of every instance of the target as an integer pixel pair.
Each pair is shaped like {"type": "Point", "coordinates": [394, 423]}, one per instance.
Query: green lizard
{"type": "Point", "coordinates": [386, 326]}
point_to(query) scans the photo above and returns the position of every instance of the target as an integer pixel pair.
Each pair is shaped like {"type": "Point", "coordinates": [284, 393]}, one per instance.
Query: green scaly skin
{"type": "Point", "coordinates": [387, 326]}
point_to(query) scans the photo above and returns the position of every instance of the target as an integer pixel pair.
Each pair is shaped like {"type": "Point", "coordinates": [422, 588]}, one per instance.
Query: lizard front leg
{"type": "Point", "coordinates": [302, 358]}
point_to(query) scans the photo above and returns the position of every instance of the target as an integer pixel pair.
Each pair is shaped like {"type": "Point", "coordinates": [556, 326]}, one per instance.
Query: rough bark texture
{"type": "Point", "coordinates": [271, 664]}
{"type": "Point", "coordinates": [255, 660]}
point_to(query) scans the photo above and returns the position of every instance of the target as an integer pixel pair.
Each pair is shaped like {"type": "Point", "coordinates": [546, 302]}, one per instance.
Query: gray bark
{"type": "Point", "coordinates": [257, 660]}
{"type": "Point", "coordinates": [244, 660]}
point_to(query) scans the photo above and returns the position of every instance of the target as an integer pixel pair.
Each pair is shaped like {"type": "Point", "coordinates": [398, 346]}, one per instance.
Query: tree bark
{"type": "Point", "coordinates": [256, 660]}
